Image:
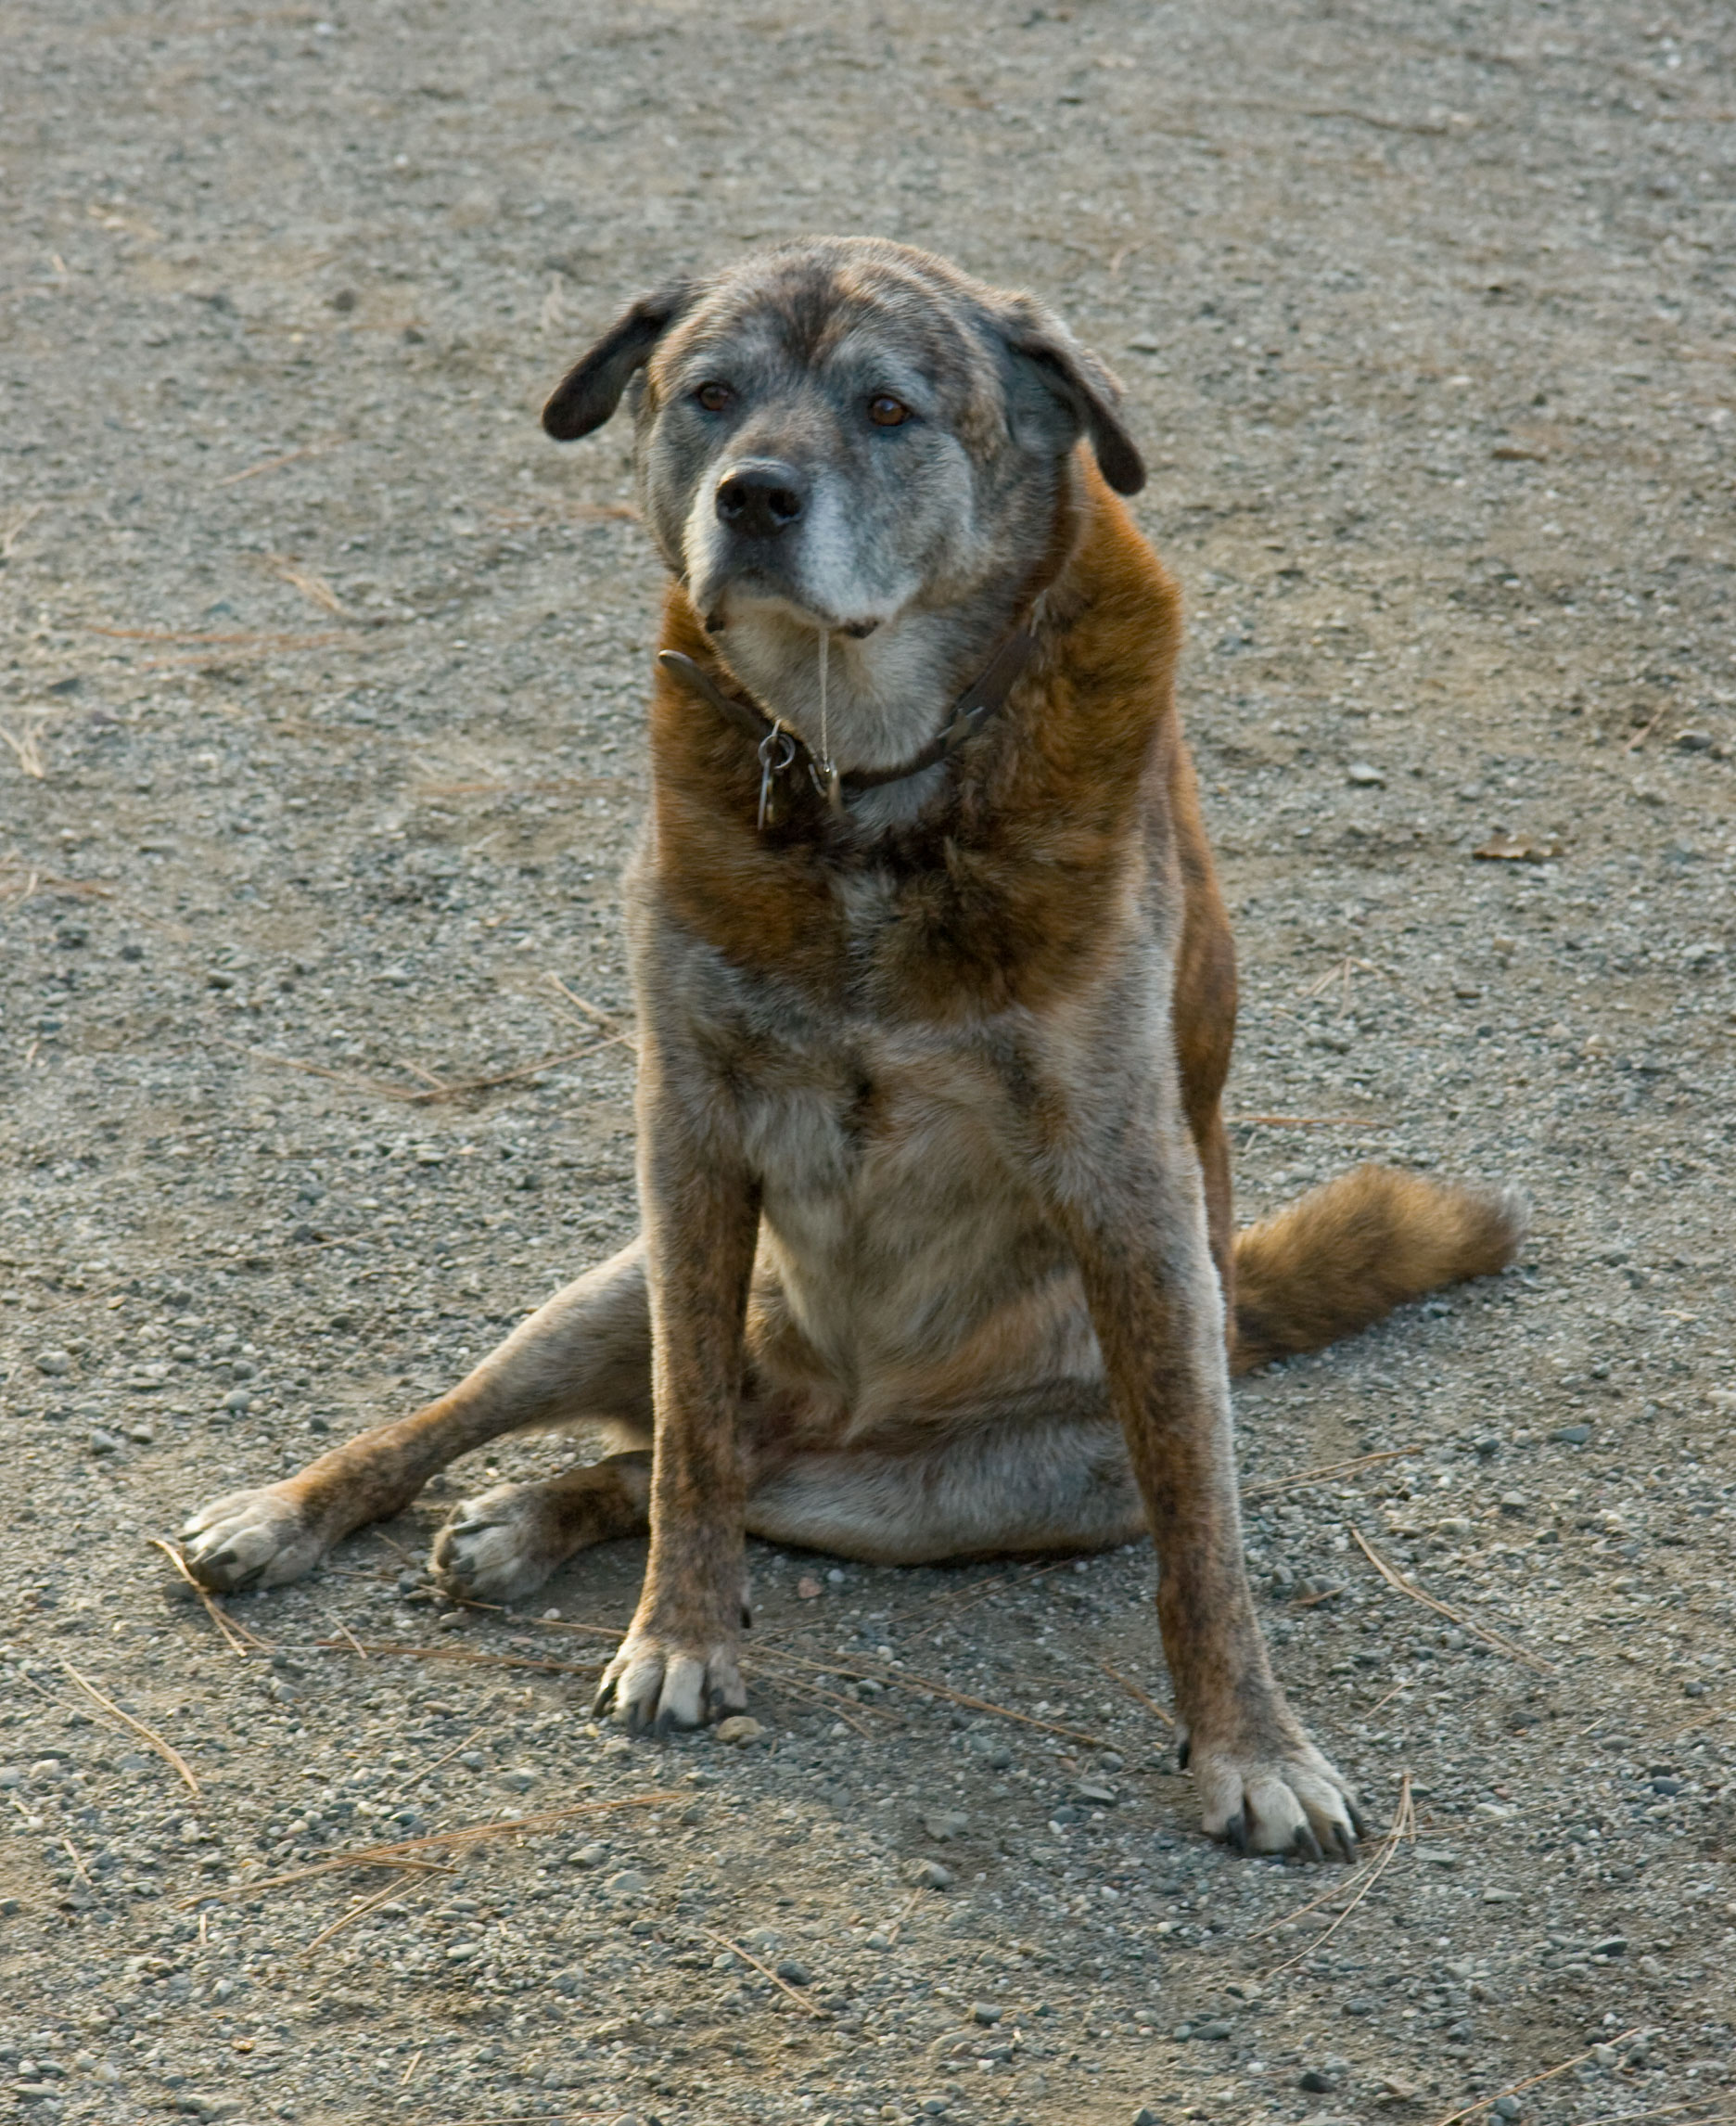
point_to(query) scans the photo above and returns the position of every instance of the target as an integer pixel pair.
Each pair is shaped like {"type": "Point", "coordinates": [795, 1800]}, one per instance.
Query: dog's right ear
{"type": "Point", "coordinates": [591, 390]}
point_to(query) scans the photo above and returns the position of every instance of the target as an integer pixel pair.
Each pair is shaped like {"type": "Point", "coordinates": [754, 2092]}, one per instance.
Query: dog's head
{"type": "Point", "coordinates": [844, 429]}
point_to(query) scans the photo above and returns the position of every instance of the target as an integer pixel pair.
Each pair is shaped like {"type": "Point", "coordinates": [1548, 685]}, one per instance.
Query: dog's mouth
{"type": "Point", "coordinates": [742, 597]}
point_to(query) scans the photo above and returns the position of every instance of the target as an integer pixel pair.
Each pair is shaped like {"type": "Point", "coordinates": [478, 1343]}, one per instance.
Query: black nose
{"type": "Point", "coordinates": [761, 498]}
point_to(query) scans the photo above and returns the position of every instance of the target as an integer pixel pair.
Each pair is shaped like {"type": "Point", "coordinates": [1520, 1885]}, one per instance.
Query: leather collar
{"type": "Point", "coordinates": [781, 750]}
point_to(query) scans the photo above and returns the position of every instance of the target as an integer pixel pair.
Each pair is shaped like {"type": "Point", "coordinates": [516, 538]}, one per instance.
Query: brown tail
{"type": "Point", "coordinates": [1351, 1251]}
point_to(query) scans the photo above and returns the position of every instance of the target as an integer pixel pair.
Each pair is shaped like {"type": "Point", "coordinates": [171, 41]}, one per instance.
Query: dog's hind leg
{"type": "Point", "coordinates": [992, 1486]}
{"type": "Point", "coordinates": [586, 1354]}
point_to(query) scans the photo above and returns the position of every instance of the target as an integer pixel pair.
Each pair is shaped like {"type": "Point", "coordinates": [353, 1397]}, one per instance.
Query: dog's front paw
{"type": "Point", "coordinates": [661, 1680]}
{"type": "Point", "coordinates": [1275, 1796]}
{"type": "Point", "coordinates": [250, 1539]}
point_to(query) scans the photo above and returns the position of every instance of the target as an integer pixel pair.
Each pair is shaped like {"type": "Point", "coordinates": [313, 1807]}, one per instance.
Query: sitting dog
{"type": "Point", "coordinates": [935, 995]}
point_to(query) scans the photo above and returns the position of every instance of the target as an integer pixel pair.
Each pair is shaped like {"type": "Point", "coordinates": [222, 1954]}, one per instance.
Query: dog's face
{"type": "Point", "coordinates": [841, 432]}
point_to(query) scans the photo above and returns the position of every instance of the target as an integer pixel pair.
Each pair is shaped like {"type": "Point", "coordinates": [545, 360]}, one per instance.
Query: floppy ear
{"type": "Point", "coordinates": [591, 390]}
{"type": "Point", "coordinates": [1083, 386]}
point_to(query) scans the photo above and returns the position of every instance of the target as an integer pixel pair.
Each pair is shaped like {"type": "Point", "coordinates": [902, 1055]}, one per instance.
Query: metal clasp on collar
{"type": "Point", "coordinates": [777, 755]}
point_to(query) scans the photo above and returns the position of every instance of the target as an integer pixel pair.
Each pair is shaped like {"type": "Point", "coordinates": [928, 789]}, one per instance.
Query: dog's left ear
{"type": "Point", "coordinates": [591, 390]}
{"type": "Point", "coordinates": [1084, 387]}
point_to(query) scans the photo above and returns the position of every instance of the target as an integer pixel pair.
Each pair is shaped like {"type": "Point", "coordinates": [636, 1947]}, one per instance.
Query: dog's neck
{"type": "Point", "coordinates": [887, 695]}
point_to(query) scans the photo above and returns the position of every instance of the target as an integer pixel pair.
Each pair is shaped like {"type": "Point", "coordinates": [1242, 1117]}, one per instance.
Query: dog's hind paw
{"type": "Point", "coordinates": [499, 1546]}
{"type": "Point", "coordinates": [250, 1539]}
{"type": "Point", "coordinates": [1288, 1801]}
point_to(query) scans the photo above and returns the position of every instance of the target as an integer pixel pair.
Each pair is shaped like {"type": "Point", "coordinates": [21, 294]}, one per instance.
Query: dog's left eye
{"type": "Point", "coordinates": [714, 397]}
{"type": "Point", "coordinates": [886, 412]}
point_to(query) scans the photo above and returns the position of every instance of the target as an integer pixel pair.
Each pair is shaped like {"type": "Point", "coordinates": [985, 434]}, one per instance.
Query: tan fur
{"type": "Point", "coordinates": [1352, 1250]}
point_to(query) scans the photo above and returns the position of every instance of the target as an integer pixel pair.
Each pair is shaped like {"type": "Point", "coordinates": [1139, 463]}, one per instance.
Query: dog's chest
{"type": "Point", "coordinates": [870, 1124]}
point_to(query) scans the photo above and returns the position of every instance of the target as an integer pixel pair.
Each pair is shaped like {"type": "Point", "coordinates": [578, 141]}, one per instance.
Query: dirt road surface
{"type": "Point", "coordinates": [320, 710]}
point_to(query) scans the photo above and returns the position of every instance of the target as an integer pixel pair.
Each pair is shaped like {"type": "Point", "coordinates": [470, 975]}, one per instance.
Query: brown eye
{"type": "Point", "coordinates": [714, 397]}
{"type": "Point", "coordinates": [886, 412]}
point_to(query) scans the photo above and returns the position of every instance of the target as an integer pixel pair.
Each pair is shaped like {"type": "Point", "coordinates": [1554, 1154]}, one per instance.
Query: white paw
{"type": "Point", "coordinates": [497, 1547]}
{"type": "Point", "coordinates": [250, 1539]}
{"type": "Point", "coordinates": [1288, 1800]}
{"type": "Point", "coordinates": [656, 1682]}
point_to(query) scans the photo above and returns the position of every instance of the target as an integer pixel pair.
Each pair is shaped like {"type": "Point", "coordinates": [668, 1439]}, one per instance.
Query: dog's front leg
{"type": "Point", "coordinates": [679, 1664]}
{"type": "Point", "coordinates": [1130, 1197]}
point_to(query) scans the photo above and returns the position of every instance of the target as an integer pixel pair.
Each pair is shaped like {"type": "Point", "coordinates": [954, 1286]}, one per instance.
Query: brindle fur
{"type": "Point", "coordinates": [938, 1256]}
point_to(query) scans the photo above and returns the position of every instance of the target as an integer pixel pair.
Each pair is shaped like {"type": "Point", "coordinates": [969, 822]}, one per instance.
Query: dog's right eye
{"type": "Point", "coordinates": [714, 397]}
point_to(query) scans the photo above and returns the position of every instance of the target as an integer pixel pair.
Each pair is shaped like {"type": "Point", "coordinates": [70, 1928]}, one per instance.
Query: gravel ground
{"type": "Point", "coordinates": [320, 700]}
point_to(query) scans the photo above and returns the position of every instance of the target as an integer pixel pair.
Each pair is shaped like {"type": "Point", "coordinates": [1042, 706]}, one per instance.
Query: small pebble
{"type": "Point", "coordinates": [794, 1973]}
{"type": "Point", "coordinates": [986, 2012]}
{"type": "Point", "coordinates": [945, 1824]}
{"type": "Point", "coordinates": [1365, 774]}
{"type": "Point", "coordinates": [739, 1730]}
{"type": "Point", "coordinates": [928, 1875]}
{"type": "Point", "coordinates": [629, 1882]}
{"type": "Point", "coordinates": [53, 1363]}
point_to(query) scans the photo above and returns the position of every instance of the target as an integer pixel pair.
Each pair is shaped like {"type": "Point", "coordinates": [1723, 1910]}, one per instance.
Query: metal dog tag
{"type": "Point", "coordinates": [778, 752]}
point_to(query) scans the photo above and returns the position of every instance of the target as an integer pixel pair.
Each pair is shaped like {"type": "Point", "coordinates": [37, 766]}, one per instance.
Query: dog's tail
{"type": "Point", "coordinates": [1351, 1251]}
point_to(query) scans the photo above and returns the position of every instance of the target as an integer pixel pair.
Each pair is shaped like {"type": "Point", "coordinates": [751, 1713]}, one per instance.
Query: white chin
{"type": "Point", "coordinates": [735, 602]}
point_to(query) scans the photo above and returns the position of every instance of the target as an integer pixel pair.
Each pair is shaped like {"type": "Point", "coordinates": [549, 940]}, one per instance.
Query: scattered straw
{"type": "Point", "coordinates": [1403, 1826]}
{"type": "Point", "coordinates": [416, 1853]}
{"type": "Point", "coordinates": [166, 1751]}
{"type": "Point", "coordinates": [437, 1089]}
{"type": "Point", "coordinates": [1494, 1639]}
{"type": "Point", "coordinates": [848, 1709]}
{"type": "Point", "coordinates": [349, 1919]}
{"type": "Point", "coordinates": [468, 1657]}
{"type": "Point", "coordinates": [1305, 1479]}
{"type": "Point", "coordinates": [311, 584]}
{"type": "Point", "coordinates": [1133, 1691]}
{"type": "Point", "coordinates": [926, 1686]}
{"type": "Point", "coordinates": [26, 743]}
{"type": "Point", "coordinates": [609, 1023]}
{"type": "Point", "coordinates": [1482, 2103]}
{"type": "Point", "coordinates": [1641, 736]}
{"type": "Point", "coordinates": [735, 1948]}
{"type": "Point", "coordinates": [1304, 1122]}
{"type": "Point", "coordinates": [251, 639]}
{"type": "Point", "coordinates": [235, 1635]}
{"type": "Point", "coordinates": [271, 464]}
{"type": "Point", "coordinates": [14, 527]}
{"type": "Point", "coordinates": [410, 1785]}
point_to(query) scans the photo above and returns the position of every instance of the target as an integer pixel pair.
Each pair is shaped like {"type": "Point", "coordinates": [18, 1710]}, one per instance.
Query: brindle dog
{"type": "Point", "coordinates": [935, 995]}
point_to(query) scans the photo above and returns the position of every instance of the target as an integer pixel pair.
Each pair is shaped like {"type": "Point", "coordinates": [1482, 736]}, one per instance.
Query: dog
{"type": "Point", "coordinates": [936, 993]}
